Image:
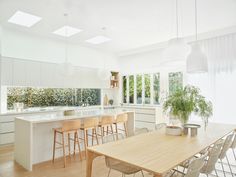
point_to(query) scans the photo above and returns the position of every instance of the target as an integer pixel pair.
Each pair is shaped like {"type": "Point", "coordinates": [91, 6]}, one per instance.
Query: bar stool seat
{"type": "Point", "coordinates": [106, 122]}
{"type": "Point", "coordinates": [89, 124]}
{"type": "Point", "coordinates": [122, 119]}
{"type": "Point", "coordinates": [68, 128]}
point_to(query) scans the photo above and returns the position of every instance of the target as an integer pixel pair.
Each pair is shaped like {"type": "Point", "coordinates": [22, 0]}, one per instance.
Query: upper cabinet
{"type": "Point", "coordinates": [114, 81]}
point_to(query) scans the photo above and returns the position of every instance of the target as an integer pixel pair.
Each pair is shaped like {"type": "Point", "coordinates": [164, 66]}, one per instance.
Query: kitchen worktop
{"type": "Point", "coordinates": [79, 114]}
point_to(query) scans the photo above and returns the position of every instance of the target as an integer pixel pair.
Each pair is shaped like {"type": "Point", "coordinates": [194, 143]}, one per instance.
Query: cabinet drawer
{"type": "Point", "coordinates": [146, 111]}
{"type": "Point", "coordinates": [7, 119]}
{"type": "Point", "coordinates": [145, 117]}
{"type": "Point", "coordinates": [7, 127]}
{"type": "Point", "coordinates": [7, 138]}
{"type": "Point", "coordinates": [139, 124]}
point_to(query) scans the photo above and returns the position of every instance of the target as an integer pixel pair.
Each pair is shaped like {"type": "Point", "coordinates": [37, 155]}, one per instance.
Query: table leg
{"type": "Point", "coordinates": [89, 162]}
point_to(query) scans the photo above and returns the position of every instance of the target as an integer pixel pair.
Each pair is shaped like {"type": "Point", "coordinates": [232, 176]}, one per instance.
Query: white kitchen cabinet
{"type": "Point", "coordinates": [33, 70]}
{"type": "Point", "coordinates": [6, 71]}
{"type": "Point", "coordinates": [7, 127]}
{"type": "Point", "coordinates": [19, 74]}
{"type": "Point", "coordinates": [7, 138]}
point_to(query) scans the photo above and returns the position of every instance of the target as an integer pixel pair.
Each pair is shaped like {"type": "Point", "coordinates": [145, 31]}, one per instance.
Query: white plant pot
{"type": "Point", "coordinates": [174, 130]}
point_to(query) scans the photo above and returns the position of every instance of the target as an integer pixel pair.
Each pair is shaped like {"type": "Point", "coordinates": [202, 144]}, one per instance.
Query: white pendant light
{"type": "Point", "coordinates": [196, 60]}
{"type": "Point", "coordinates": [177, 50]}
{"type": "Point", "coordinates": [67, 67]}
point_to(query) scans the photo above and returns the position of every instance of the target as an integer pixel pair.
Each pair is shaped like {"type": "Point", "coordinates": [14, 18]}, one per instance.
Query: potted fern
{"type": "Point", "coordinates": [186, 101]}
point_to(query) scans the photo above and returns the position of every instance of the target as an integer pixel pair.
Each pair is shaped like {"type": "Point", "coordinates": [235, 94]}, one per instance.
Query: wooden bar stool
{"type": "Point", "coordinates": [106, 123]}
{"type": "Point", "coordinates": [121, 119]}
{"type": "Point", "coordinates": [89, 124]}
{"type": "Point", "coordinates": [68, 128]}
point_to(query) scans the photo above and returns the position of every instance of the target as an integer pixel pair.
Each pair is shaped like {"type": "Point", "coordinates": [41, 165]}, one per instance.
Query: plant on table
{"type": "Point", "coordinates": [183, 102]}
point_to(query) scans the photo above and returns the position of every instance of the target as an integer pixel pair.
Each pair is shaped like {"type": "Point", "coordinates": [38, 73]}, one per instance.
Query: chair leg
{"type": "Point", "coordinates": [69, 143]}
{"type": "Point", "coordinates": [109, 172]}
{"type": "Point", "coordinates": [86, 132]}
{"type": "Point", "coordinates": [222, 167]}
{"type": "Point", "coordinates": [142, 173]}
{"type": "Point", "coordinates": [111, 129]}
{"type": "Point", "coordinates": [54, 146]}
{"type": "Point", "coordinates": [63, 148]}
{"type": "Point", "coordinates": [234, 154]}
{"type": "Point", "coordinates": [80, 155]}
{"type": "Point", "coordinates": [216, 173]}
{"type": "Point", "coordinates": [229, 166]}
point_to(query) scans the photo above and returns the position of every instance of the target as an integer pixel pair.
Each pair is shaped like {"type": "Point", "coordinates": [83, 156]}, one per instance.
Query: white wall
{"type": "Point", "coordinates": [31, 47]}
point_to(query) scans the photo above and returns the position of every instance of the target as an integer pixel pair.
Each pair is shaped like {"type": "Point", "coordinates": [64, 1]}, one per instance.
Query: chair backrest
{"type": "Point", "coordinates": [110, 138]}
{"type": "Point", "coordinates": [90, 122]}
{"type": "Point", "coordinates": [70, 125]}
{"type": "Point", "coordinates": [122, 117]}
{"type": "Point", "coordinates": [141, 131]}
{"type": "Point", "coordinates": [233, 145]}
{"type": "Point", "coordinates": [226, 146]}
{"type": "Point", "coordinates": [195, 166]}
{"type": "Point", "coordinates": [107, 120]}
{"type": "Point", "coordinates": [160, 126]}
{"type": "Point", "coordinates": [213, 155]}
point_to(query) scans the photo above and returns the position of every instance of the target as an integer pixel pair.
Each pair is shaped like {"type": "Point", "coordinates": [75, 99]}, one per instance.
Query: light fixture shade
{"type": "Point", "coordinates": [197, 60]}
{"type": "Point", "coordinates": [104, 74]}
{"type": "Point", "coordinates": [175, 53]}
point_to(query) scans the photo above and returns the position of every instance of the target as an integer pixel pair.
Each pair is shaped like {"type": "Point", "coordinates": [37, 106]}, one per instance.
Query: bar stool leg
{"type": "Point", "coordinates": [92, 136]}
{"type": "Point", "coordinates": [111, 129]}
{"type": "Point", "coordinates": [87, 139]}
{"type": "Point", "coordinates": [116, 128]}
{"type": "Point", "coordinates": [125, 128]}
{"type": "Point", "coordinates": [69, 143]}
{"type": "Point", "coordinates": [96, 135]}
{"type": "Point", "coordinates": [107, 129]}
{"type": "Point", "coordinates": [85, 142]}
{"type": "Point", "coordinates": [75, 140]}
{"type": "Point", "coordinates": [63, 147]}
{"type": "Point", "coordinates": [80, 155]}
{"type": "Point", "coordinates": [54, 146]}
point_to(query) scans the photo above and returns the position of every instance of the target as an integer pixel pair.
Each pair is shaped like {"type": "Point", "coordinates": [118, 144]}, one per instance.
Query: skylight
{"type": "Point", "coordinates": [24, 19]}
{"type": "Point", "coordinates": [67, 31]}
{"type": "Point", "coordinates": [98, 40]}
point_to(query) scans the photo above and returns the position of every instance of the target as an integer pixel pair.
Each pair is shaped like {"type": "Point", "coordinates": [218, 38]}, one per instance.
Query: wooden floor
{"type": "Point", "coordinates": [75, 167]}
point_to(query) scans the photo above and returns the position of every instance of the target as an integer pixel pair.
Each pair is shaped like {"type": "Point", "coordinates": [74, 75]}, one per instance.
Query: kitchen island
{"type": "Point", "coordinates": [34, 134]}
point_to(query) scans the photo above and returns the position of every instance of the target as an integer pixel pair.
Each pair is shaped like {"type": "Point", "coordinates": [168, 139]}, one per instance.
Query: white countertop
{"type": "Point", "coordinates": [79, 115]}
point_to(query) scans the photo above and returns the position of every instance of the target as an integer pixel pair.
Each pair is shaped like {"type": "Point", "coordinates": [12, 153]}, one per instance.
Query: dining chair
{"type": "Point", "coordinates": [112, 164]}
{"type": "Point", "coordinates": [213, 155]}
{"type": "Point", "coordinates": [141, 131]}
{"type": "Point", "coordinates": [160, 126]}
{"type": "Point", "coordinates": [233, 146]}
{"type": "Point", "coordinates": [223, 154]}
{"type": "Point", "coordinates": [194, 167]}
{"type": "Point", "coordinates": [106, 123]}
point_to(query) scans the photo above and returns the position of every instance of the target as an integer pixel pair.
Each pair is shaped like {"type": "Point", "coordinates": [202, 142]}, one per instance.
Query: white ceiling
{"type": "Point", "coordinates": [129, 23]}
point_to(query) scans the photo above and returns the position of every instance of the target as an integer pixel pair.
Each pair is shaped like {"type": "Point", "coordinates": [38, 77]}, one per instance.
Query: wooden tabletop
{"type": "Point", "coordinates": [157, 152]}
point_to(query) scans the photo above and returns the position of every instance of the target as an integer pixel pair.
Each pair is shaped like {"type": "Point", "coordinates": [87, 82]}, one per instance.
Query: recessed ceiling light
{"type": "Point", "coordinates": [24, 19]}
{"type": "Point", "coordinates": [98, 40]}
{"type": "Point", "coordinates": [67, 31]}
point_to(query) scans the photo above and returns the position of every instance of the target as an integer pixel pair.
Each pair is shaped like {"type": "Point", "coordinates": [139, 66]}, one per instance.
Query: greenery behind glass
{"type": "Point", "coordinates": [44, 97]}
{"type": "Point", "coordinates": [131, 89]}
{"type": "Point", "coordinates": [156, 88]}
{"type": "Point", "coordinates": [175, 82]}
{"type": "Point", "coordinates": [147, 89]}
{"type": "Point", "coordinates": [139, 88]}
{"type": "Point", "coordinates": [124, 89]}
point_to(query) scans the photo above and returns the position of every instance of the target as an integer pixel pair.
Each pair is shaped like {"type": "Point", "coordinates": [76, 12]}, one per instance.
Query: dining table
{"type": "Point", "coordinates": [156, 152]}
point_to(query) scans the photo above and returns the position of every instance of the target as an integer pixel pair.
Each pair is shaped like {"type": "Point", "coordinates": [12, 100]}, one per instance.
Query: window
{"type": "Point", "coordinates": [147, 88]}
{"type": "Point", "coordinates": [131, 89]}
{"type": "Point", "coordinates": [139, 88]}
{"type": "Point", "coordinates": [124, 89]}
{"type": "Point", "coordinates": [44, 97]}
{"type": "Point", "coordinates": [156, 88]}
{"type": "Point", "coordinates": [175, 82]}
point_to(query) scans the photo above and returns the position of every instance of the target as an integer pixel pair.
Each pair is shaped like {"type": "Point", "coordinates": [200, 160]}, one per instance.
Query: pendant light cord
{"type": "Point", "coordinates": [177, 18]}
{"type": "Point", "coordinates": [196, 37]}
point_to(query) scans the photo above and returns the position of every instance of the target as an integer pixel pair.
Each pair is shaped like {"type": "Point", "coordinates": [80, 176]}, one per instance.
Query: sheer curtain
{"type": "Point", "coordinates": [219, 84]}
